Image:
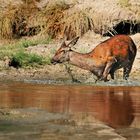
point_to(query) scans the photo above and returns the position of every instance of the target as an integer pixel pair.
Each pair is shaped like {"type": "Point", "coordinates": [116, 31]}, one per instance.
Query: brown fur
{"type": "Point", "coordinates": [110, 55]}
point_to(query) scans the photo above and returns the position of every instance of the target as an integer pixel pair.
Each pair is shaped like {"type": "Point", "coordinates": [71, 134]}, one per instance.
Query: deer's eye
{"type": "Point", "coordinates": [63, 51]}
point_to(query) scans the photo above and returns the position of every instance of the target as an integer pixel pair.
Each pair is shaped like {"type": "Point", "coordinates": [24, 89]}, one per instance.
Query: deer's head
{"type": "Point", "coordinates": [62, 54]}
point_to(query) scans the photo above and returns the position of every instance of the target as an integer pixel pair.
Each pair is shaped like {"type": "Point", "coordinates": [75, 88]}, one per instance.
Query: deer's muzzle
{"type": "Point", "coordinates": [53, 61]}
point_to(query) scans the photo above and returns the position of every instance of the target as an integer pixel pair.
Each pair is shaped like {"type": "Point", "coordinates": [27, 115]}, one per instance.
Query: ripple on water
{"type": "Point", "coordinates": [118, 82]}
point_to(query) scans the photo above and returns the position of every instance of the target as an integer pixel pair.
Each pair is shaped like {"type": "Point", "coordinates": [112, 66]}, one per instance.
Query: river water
{"type": "Point", "coordinates": [115, 107]}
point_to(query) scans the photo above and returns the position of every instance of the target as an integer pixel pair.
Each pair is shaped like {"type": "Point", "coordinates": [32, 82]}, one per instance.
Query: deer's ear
{"type": "Point", "coordinates": [63, 45]}
{"type": "Point", "coordinates": [73, 42]}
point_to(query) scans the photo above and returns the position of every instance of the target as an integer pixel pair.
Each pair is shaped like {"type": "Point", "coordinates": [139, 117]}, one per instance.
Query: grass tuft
{"type": "Point", "coordinates": [16, 52]}
{"type": "Point", "coordinates": [124, 3]}
{"type": "Point", "coordinates": [23, 59]}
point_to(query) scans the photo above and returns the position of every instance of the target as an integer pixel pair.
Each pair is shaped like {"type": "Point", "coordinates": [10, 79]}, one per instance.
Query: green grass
{"type": "Point", "coordinates": [23, 59]}
{"type": "Point", "coordinates": [9, 50]}
{"type": "Point", "coordinates": [26, 42]}
{"type": "Point", "coordinates": [19, 57]}
{"type": "Point", "coordinates": [124, 3]}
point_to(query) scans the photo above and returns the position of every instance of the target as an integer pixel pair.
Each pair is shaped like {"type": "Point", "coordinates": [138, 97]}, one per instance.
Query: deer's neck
{"type": "Point", "coordinates": [83, 61]}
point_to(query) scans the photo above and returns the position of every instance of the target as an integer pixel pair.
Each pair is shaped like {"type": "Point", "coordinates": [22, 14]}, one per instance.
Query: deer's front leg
{"type": "Point", "coordinates": [69, 71]}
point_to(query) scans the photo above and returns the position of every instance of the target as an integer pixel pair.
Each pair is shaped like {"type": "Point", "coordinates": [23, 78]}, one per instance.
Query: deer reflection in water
{"type": "Point", "coordinates": [117, 109]}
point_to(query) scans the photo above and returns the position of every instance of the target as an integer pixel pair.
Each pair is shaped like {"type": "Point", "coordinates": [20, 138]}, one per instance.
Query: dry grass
{"type": "Point", "coordinates": [52, 17]}
{"type": "Point", "coordinates": [56, 19]}
{"type": "Point", "coordinates": [124, 3]}
{"type": "Point", "coordinates": [52, 21]}
{"type": "Point", "coordinates": [6, 23]}
{"type": "Point", "coordinates": [60, 24]}
{"type": "Point", "coordinates": [77, 24]}
{"type": "Point", "coordinates": [13, 20]}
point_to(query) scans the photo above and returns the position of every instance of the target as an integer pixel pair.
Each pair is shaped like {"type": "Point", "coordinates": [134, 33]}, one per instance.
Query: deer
{"type": "Point", "coordinates": [110, 55]}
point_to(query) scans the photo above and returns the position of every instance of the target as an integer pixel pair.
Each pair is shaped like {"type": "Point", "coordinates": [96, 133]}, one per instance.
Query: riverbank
{"type": "Point", "coordinates": [64, 73]}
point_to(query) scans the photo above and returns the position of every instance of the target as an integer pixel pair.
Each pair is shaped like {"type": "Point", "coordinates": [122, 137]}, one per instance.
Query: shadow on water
{"type": "Point", "coordinates": [115, 106]}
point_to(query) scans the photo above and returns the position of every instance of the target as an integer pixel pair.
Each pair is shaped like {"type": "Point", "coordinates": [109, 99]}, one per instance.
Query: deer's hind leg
{"type": "Point", "coordinates": [108, 67]}
{"type": "Point", "coordinates": [112, 71]}
{"type": "Point", "coordinates": [127, 70]}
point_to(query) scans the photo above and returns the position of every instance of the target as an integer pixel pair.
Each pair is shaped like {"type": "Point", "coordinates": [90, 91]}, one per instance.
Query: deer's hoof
{"type": "Point", "coordinates": [76, 81]}
{"type": "Point", "coordinates": [104, 79]}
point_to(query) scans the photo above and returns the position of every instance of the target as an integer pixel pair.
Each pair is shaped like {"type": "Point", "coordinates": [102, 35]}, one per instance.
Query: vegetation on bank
{"type": "Point", "coordinates": [54, 20]}
{"type": "Point", "coordinates": [23, 59]}
{"type": "Point", "coordinates": [19, 57]}
{"type": "Point", "coordinates": [60, 18]}
{"type": "Point", "coordinates": [124, 3]}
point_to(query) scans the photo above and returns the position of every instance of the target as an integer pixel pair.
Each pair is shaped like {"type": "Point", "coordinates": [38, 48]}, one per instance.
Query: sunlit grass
{"type": "Point", "coordinates": [16, 52]}
{"type": "Point", "coordinates": [124, 3]}
{"type": "Point", "coordinates": [23, 59]}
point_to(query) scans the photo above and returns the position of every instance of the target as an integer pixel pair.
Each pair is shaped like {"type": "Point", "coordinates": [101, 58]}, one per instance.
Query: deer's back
{"type": "Point", "coordinates": [119, 46]}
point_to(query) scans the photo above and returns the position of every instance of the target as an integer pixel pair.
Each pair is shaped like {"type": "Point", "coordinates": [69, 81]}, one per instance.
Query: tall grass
{"type": "Point", "coordinates": [56, 19]}
{"type": "Point", "coordinates": [53, 15]}
{"type": "Point", "coordinates": [13, 19]}
{"type": "Point", "coordinates": [77, 24]}
{"type": "Point", "coordinates": [59, 23]}
{"type": "Point", "coordinates": [53, 20]}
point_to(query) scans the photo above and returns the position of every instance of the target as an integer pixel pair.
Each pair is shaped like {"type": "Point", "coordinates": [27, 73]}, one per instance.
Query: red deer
{"type": "Point", "coordinates": [116, 52]}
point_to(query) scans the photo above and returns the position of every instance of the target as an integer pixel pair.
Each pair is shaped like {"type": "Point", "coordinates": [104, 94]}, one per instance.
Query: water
{"type": "Point", "coordinates": [65, 111]}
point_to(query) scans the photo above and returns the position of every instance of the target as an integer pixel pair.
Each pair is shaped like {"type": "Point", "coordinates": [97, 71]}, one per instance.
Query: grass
{"type": "Point", "coordinates": [53, 15]}
{"type": "Point", "coordinates": [57, 19]}
{"type": "Point", "coordinates": [9, 48]}
{"type": "Point", "coordinates": [23, 59]}
{"type": "Point", "coordinates": [77, 24]}
{"type": "Point", "coordinates": [53, 20]}
{"type": "Point", "coordinates": [16, 52]}
{"type": "Point", "coordinates": [14, 18]}
{"type": "Point", "coordinates": [32, 42]}
{"type": "Point", "coordinates": [124, 3]}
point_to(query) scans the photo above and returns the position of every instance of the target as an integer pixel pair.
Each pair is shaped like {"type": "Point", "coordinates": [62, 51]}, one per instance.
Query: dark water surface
{"type": "Point", "coordinates": [116, 107]}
